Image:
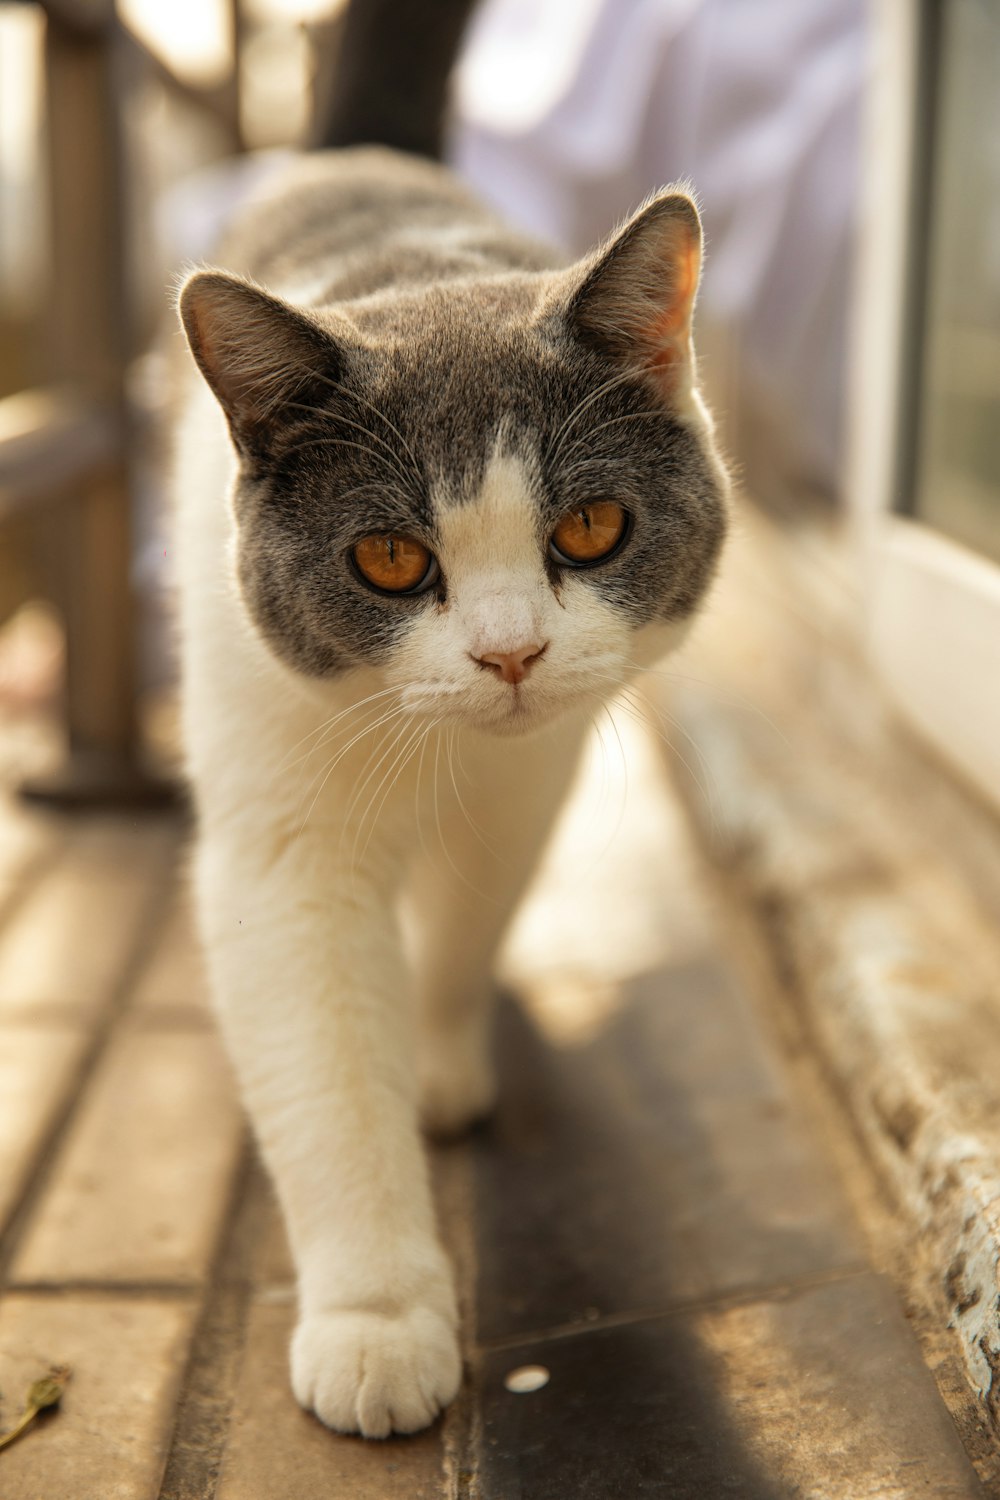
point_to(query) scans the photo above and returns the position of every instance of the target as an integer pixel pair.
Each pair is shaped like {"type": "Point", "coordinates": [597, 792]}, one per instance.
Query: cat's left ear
{"type": "Point", "coordinates": [257, 353]}
{"type": "Point", "coordinates": [636, 300]}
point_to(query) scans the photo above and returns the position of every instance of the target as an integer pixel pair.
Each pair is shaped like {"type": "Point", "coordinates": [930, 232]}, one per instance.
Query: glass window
{"type": "Point", "coordinates": [958, 409]}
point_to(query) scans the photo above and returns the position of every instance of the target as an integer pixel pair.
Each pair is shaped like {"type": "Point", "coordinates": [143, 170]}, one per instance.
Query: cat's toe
{"type": "Point", "coordinates": [375, 1374]}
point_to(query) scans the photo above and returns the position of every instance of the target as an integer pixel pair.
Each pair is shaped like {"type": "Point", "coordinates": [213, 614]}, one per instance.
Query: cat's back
{"type": "Point", "coordinates": [345, 224]}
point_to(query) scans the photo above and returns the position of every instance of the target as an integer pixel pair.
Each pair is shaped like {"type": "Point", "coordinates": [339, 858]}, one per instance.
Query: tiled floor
{"type": "Point", "coordinates": [649, 1217]}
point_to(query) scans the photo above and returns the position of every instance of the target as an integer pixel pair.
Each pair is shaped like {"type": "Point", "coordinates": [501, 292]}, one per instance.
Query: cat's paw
{"type": "Point", "coordinates": [375, 1374]}
{"type": "Point", "coordinates": [456, 1091]}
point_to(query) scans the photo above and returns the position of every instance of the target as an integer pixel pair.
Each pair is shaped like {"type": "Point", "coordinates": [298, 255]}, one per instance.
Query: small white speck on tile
{"type": "Point", "coordinates": [526, 1378]}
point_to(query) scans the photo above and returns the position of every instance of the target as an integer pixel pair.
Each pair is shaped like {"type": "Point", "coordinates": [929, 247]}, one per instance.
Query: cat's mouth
{"type": "Point", "coordinates": [512, 709]}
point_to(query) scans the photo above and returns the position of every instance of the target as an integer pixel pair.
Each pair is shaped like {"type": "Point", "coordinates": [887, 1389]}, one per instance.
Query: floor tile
{"type": "Point", "coordinates": [276, 1451]}
{"type": "Point", "coordinates": [68, 944]}
{"type": "Point", "coordinates": [113, 842]}
{"type": "Point", "coordinates": [26, 837]}
{"type": "Point", "coordinates": [820, 1396]}
{"type": "Point", "coordinates": [108, 1439]}
{"type": "Point", "coordinates": [660, 1162]}
{"type": "Point", "coordinates": [38, 1068]}
{"type": "Point", "coordinates": [173, 980]}
{"type": "Point", "coordinates": [140, 1188]}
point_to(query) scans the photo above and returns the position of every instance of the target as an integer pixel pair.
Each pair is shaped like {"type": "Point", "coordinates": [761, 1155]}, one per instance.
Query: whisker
{"type": "Point", "coordinates": [702, 777]}
{"type": "Point", "coordinates": [335, 761]}
{"type": "Point", "coordinates": [357, 733]}
{"type": "Point", "coordinates": [334, 442]}
{"type": "Point", "coordinates": [598, 744]}
{"type": "Point", "coordinates": [458, 750]}
{"type": "Point", "coordinates": [335, 755]}
{"type": "Point", "coordinates": [730, 694]}
{"type": "Point", "coordinates": [440, 832]}
{"type": "Point", "coordinates": [630, 416]}
{"type": "Point", "coordinates": [641, 711]}
{"type": "Point", "coordinates": [458, 797]}
{"type": "Point", "coordinates": [416, 802]}
{"type": "Point", "coordinates": [337, 385]}
{"type": "Point", "coordinates": [380, 723]}
{"type": "Point", "coordinates": [358, 427]}
{"type": "Point", "coordinates": [599, 747]}
{"type": "Point", "coordinates": [374, 704]}
{"type": "Point", "coordinates": [388, 750]}
{"type": "Point", "coordinates": [623, 801]}
{"type": "Point", "coordinates": [553, 447]}
{"type": "Point", "coordinates": [388, 781]}
{"type": "Point", "coordinates": [322, 729]}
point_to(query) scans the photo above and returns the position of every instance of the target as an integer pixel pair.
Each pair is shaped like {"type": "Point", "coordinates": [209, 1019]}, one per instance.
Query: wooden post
{"type": "Point", "coordinates": [90, 532]}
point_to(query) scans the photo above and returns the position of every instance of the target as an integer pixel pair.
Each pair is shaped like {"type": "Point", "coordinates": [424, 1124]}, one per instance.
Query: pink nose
{"type": "Point", "coordinates": [513, 666]}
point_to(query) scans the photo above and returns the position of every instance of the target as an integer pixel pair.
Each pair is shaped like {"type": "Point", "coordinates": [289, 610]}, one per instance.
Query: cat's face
{"type": "Point", "coordinates": [504, 496]}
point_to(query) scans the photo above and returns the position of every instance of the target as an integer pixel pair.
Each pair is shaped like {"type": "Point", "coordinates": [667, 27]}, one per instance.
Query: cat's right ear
{"type": "Point", "coordinates": [256, 353]}
{"type": "Point", "coordinates": [636, 300]}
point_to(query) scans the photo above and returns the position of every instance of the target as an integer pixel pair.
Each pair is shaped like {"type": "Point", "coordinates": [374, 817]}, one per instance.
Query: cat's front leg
{"type": "Point", "coordinates": [308, 974]}
{"type": "Point", "coordinates": [493, 814]}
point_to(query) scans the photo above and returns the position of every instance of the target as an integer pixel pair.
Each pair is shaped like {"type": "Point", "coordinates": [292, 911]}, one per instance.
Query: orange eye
{"type": "Point", "coordinates": [588, 533]}
{"type": "Point", "coordinates": [395, 564]}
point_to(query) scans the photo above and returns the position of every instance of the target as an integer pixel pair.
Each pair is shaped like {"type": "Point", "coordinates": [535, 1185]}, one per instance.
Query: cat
{"type": "Point", "coordinates": [439, 493]}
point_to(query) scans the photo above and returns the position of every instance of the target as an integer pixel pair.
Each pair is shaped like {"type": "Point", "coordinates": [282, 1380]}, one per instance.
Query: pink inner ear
{"type": "Point", "coordinates": [205, 323]}
{"type": "Point", "coordinates": [205, 326]}
{"type": "Point", "coordinates": [669, 331]}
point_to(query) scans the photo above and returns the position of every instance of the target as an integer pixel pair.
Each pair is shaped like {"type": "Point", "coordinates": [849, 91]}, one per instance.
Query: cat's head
{"type": "Point", "coordinates": [502, 492]}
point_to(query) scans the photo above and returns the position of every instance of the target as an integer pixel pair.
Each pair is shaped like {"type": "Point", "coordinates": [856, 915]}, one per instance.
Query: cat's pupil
{"type": "Point", "coordinates": [589, 534]}
{"type": "Point", "coordinates": [395, 564]}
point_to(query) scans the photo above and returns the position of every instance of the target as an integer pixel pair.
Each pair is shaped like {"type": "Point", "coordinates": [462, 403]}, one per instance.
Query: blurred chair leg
{"type": "Point", "coordinates": [92, 587]}
{"type": "Point", "coordinates": [100, 626]}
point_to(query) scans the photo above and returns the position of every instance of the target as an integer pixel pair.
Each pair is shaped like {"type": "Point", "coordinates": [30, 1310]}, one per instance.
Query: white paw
{"type": "Point", "coordinates": [369, 1373]}
{"type": "Point", "coordinates": [457, 1088]}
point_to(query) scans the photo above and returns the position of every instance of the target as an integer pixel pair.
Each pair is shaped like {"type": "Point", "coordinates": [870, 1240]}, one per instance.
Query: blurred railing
{"type": "Point", "coordinates": [66, 451]}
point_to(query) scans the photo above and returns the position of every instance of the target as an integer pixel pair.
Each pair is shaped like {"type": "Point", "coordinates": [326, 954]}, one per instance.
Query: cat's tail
{"type": "Point", "coordinates": [389, 83]}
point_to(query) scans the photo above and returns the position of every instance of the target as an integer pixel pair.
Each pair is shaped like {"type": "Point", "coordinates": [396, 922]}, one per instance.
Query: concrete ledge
{"type": "Point", "coordinates": [872, 878]}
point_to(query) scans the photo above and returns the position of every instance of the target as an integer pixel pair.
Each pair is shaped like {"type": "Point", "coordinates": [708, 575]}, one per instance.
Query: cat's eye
{"type": "Point", "coordinates": [395, 564]}
{"type": "Point", "coordinates": [589, 533]}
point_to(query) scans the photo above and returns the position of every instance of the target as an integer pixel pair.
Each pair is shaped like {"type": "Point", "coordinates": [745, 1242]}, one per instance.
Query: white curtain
{"type": "Point", "coordinates": [568, 112]}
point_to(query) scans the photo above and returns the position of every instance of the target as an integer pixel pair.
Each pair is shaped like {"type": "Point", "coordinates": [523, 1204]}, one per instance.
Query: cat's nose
{"type": "Point", "coordinates": [513, 666]}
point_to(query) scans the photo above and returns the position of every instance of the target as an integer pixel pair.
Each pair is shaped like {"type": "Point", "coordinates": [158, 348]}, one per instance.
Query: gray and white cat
{"type": "Point", "coordinates": [438, 490]}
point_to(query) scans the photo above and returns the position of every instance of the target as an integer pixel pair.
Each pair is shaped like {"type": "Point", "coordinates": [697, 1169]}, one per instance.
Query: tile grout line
{"type": "Point", "coordinates": [740, 1297]}
{"type": "Point", "coordinates": [30, 877]}
{"type": "Point", "coordinates": [456, 1204]}
{"type": "Point", "coordinates": [116, 1005]}
{"type": "Point", "coordinates": [196, 1447]}
{"type": "Point", "coordinates": [177, 1291]}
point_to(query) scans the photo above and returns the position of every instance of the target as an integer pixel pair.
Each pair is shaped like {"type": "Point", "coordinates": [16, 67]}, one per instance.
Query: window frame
{"type": "Point", "coordinates": [933, 604]}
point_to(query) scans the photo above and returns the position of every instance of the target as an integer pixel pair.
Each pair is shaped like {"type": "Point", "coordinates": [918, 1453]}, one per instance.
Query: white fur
{"type": "Point", "coordinates": [309, 837]}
